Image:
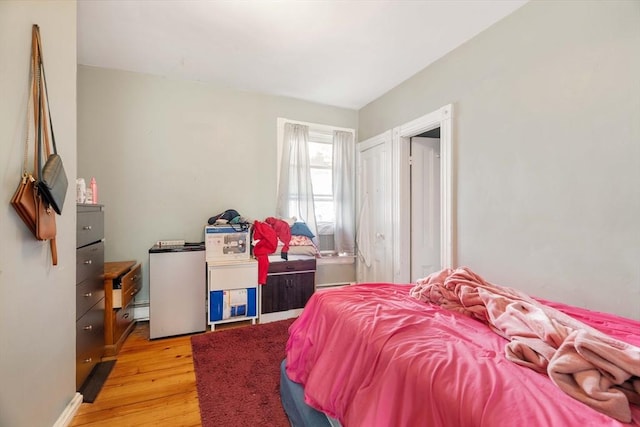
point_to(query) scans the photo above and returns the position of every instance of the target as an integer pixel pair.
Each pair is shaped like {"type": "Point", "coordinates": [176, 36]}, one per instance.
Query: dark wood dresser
{"type": "Point", "coordinates": [89, 290]}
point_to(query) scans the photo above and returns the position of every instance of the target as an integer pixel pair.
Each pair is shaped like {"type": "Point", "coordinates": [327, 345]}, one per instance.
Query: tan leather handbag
{"type": "Point", "coordinates": [27, 201]}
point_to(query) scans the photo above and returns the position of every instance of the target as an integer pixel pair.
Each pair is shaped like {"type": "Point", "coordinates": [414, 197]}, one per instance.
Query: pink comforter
{"type": "Point", "coordinates": [370, 355]}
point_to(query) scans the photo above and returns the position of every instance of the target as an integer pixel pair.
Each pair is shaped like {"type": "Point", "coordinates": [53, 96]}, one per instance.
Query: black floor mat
{"type": "Point", "coordinates": [96, 380]}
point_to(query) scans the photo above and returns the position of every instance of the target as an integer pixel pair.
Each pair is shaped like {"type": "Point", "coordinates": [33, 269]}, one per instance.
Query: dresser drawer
{"type": "Point", "coordinates": [89, 341]}
{"type": "Point", "coordinates": [133, 279]}
{"type": "Point", "coordinates": [131, 283]}
{"type": "Point", "coordinates": [123, 319]}
{"type": "Point", "coordinates": [292, 266]}
{"type": "Point", "coordinates": [89, 261]}
{"type": "Point", "coordinates": [90, 225]}
{"type": "Point", "coordinates": [233, 276]}
{"type": "Point", "coordinates": [88, 293]}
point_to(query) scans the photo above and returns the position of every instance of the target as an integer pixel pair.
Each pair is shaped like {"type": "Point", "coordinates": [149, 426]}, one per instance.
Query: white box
{"type": "Point", "coordinates": [226, 243]}
{"type": "Point", "coordinates": [235, 303]}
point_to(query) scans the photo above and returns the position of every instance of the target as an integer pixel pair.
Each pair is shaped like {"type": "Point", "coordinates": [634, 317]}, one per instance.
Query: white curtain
{"type": "Point", "coordinates": [295, 191]}
{"type": "Point", "coordinates": [344, 191]}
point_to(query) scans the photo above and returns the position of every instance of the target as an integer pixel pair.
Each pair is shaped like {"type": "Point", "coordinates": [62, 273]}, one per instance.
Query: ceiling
{"type": "Point", "coordinates": [341, 53]}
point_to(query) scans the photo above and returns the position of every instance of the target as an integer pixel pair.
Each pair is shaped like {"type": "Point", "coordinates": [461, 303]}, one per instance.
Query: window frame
{"type": "Point", "coordinates": [317, 127]}
{"type": "Point", "coordinates": [322, 130]}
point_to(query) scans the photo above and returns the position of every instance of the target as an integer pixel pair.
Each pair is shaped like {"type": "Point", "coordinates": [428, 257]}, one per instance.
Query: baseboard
{"type": "Point", "coordinates": [69, 412]}
{"type": "Point", "coordinates": [333, 285]}
{"type": "Point", "coordinates": [280, 315]}
{"type": "Point", "coordinates": [141, 312]}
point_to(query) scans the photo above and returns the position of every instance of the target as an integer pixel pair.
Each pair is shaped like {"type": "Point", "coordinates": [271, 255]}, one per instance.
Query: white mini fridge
{"type": "Point", "coordinates": [177, 290]}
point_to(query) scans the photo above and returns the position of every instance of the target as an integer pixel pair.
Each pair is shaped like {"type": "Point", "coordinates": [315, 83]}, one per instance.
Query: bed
{"type": "Point", "coordinates": [379, 355]}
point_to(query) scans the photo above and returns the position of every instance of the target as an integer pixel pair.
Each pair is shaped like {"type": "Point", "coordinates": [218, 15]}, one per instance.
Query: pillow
{"type": "Point", "coordinates": [301, 229]}
{"type": "Point", "coordinates": [300, 241]}
{"type": "Point", "coordinates": [300, 245]}
{"type": "Point", "coordinates": [308, 250]}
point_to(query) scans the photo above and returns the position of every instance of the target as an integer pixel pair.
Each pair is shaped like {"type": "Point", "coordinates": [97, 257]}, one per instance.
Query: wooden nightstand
{"type": "Point", "coordinates": [122, 281]}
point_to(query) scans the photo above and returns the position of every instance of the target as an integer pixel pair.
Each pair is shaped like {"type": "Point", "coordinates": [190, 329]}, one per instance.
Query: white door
{"type": "Point", "coordinates": [374, 210]}
{"type": "Point", "coordinates": [425, 207]}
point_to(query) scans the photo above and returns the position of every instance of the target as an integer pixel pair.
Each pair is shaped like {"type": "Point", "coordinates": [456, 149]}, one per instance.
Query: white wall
{"type": "Point", "coordinates": [547, 149]}
{"type": "Point", "coordinates": [168, 154]}
{"type": "Point", "coordinates": [37, 301]}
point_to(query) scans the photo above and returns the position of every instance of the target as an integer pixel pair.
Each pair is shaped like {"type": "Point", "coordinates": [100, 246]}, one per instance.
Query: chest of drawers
{"type": "Point", "coordinates": [90, 301]}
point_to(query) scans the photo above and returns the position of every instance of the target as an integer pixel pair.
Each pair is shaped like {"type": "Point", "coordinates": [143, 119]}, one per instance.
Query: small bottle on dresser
{"type": "Point", "coordinates": [94, 190]}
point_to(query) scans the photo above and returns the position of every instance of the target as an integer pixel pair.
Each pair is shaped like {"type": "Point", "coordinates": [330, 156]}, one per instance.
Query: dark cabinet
{"type": "Point", "coordinates": [289, 286]}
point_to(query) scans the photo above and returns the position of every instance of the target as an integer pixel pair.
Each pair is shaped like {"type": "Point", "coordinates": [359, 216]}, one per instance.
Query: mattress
{"type": "Point", "coordinates": [300, 414]}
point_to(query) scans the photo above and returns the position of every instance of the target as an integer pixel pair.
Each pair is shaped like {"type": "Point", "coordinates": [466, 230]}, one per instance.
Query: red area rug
{"type": "Point", "coordinates": [238, 375]}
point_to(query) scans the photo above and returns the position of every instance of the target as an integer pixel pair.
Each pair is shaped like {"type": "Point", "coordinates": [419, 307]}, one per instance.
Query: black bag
{"type": "Point", "coordinates": [227, 216]}
{"type": "Point", "coordinates": [53, 182]}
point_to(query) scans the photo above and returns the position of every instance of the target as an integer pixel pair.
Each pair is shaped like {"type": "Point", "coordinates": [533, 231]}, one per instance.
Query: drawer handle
{"type": "Point", "coordinates": [88, 360]}
{"type": "Point", "coordinates": [133, 292]}
{"type": "Point", "coordinates": [88, 295]}
{"type": "Point", "coordinates": [88, 328]}
{"type": "Point", "coordinates": [125, 316]}
{"type": "Point", "coordinates": [86, 227]}
{"type": "Point", "coordinates": [88, 262]}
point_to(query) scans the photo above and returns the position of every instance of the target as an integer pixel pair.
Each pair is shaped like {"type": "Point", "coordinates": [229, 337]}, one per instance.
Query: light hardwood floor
{"type": "Point", "coordinates": [152, 384]}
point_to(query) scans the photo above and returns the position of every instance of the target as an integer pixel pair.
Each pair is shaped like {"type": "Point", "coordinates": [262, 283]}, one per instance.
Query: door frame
{"type": "Point", "coordinates": [401, 178]}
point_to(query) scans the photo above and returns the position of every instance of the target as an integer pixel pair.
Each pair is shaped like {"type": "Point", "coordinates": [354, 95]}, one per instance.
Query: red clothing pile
{"type": "Point", "coordinates": [267, 234]}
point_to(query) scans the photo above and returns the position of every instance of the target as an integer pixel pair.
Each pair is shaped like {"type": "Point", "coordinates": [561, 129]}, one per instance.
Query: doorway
{"type": "Point", "coordinates": [424, 233]}
{"type": "Point", "coordinates": [406, 269]}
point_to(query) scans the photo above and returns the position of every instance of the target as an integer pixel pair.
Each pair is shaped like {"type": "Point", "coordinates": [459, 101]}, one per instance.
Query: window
{"type": "Point", "coordinates": [332, 187]}
{"type": "Point", "coordinates": [321, 168]}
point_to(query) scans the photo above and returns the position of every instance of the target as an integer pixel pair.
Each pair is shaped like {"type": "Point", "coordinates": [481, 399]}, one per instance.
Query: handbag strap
{"type": "Point", "coordinates": [37, 101]}
{"type": "Point", "coordinates": [34, 84]}
{"type": "Point", "coordinates": [40, 63]}
{"type": "Point", "coordinates": [44, 113]}
{"type": "Point", "coordinates": [25, 163]}
{"type": "Point", "coordinates": [29, 125]}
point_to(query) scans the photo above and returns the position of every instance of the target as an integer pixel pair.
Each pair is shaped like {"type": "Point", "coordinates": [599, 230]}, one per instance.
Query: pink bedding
{"type": "Point", "coordinates": [370, 355]}
{"type": "Point", "coordinates": [588, 365]}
